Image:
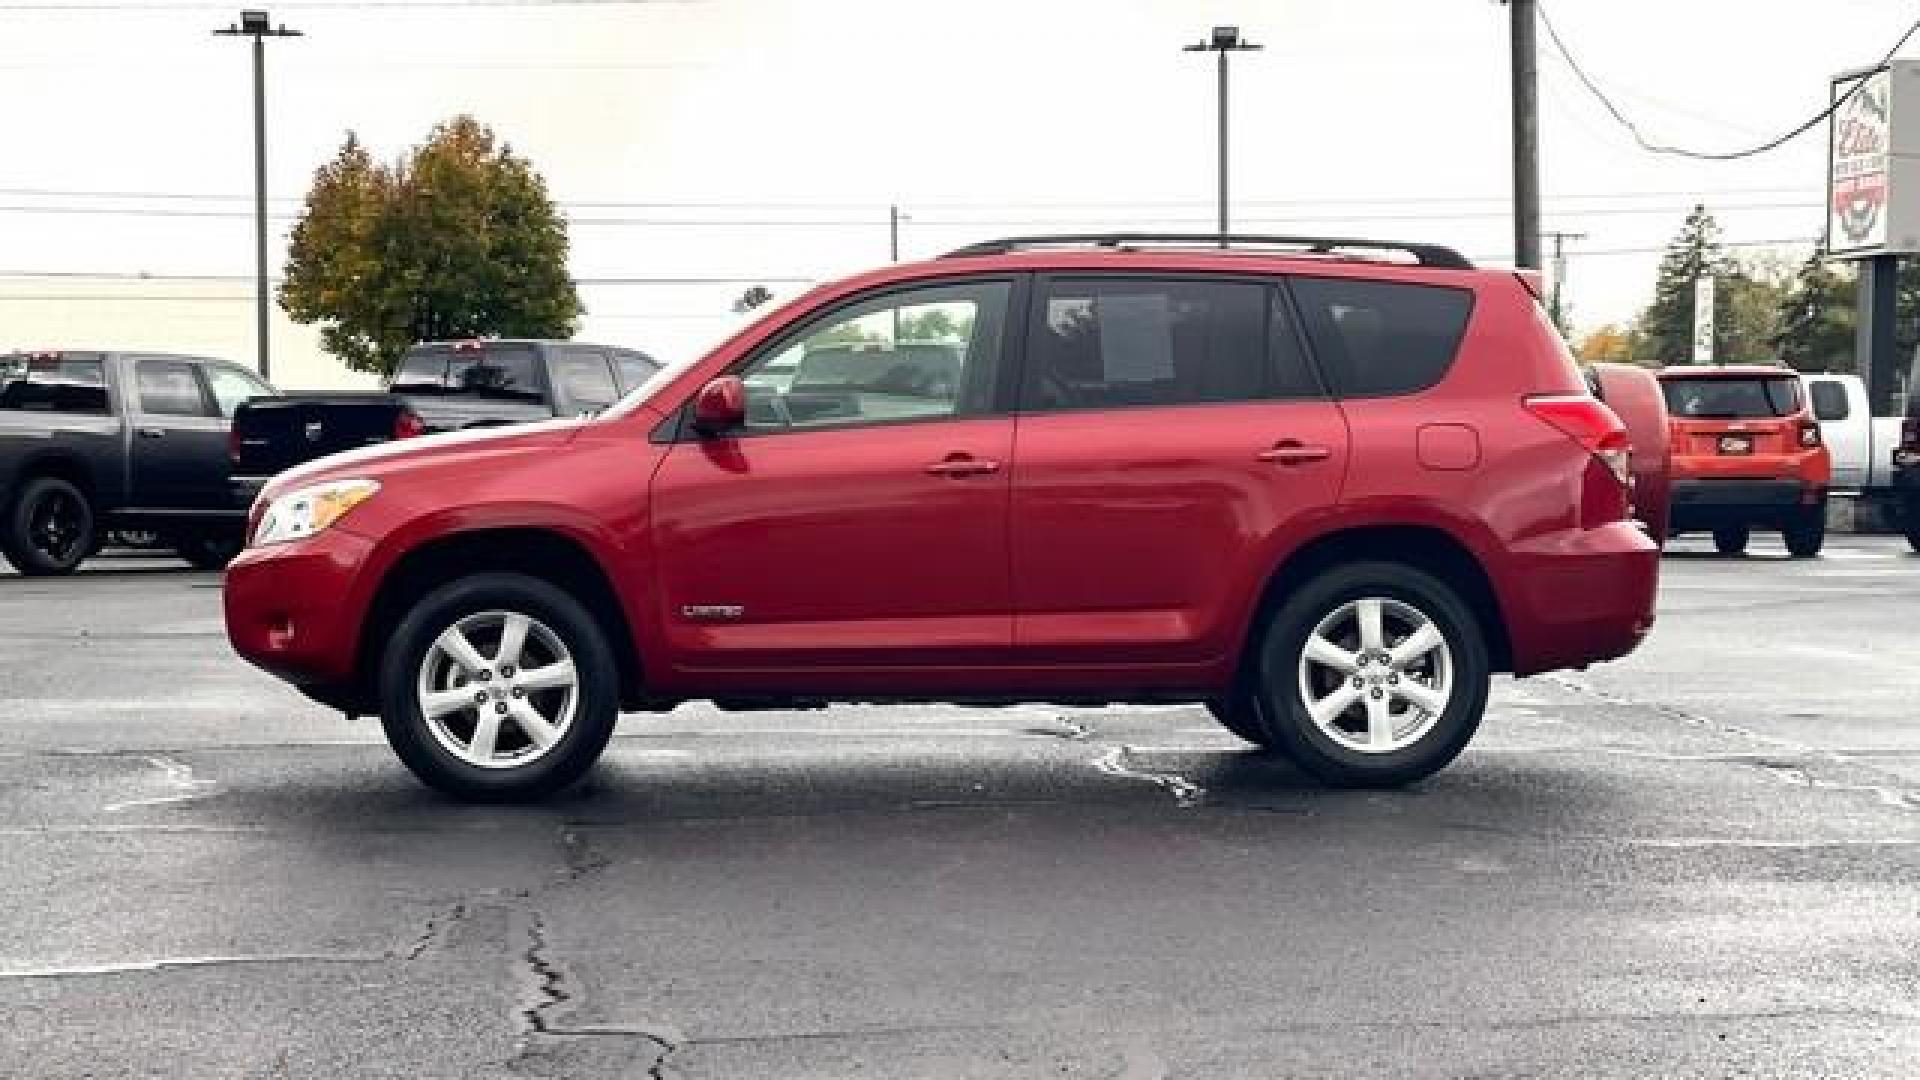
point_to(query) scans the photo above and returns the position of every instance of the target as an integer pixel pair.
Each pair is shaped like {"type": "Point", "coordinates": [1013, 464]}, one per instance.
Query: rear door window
{"type": "Point", "coordinates": [231, 386]}
{"type": "Point", "coordinates": [633, 369]}
{"type": "Point", "coordinates": [1732, 398]}
{"type": "Point", "coordinates": [66, 383]}
{"type": "Point", "coordinates": [169, 388]}
{"type": "Point", "coordinates": [1382, 338]}
{"type": "Point", "coordinates": [1123, 342]}
{"type": "Point", "coordinates": [586, 379]}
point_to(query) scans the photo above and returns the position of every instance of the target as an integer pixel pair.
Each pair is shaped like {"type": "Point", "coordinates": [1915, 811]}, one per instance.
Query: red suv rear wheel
{"type": "Point", "coordinates": [1373, 674]}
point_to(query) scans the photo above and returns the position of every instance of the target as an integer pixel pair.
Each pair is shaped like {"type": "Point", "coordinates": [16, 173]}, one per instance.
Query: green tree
{"type": "Point", "coordinates": [752, 298]}
{"type": "Point", "coordinates": [1666, 327]}
{"type": "Point", "coordinates": [459, 240]}
{"type": "Point", "coordinates": [1747, 305]}
{"type": "Point", "coordinates": [1816, 319]}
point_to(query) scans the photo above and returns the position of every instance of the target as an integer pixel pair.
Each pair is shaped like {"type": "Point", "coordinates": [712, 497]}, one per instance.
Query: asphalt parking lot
{"type": "Point", "coordinates": [1704, 860]}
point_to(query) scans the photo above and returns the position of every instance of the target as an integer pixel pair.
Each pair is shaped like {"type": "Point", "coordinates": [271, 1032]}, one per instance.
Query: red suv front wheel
{"type": "Point", "coordinates": [498, 687]}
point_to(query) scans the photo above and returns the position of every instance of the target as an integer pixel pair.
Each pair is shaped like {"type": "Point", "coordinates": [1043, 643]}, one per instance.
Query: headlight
{"type": "Point", "coordinates": [301, 513]}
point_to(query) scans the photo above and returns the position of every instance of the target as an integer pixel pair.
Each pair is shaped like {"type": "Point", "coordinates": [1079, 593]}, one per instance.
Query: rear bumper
{"type": "Point", "coordinates": [1581, 597]}
{"type": "Point", "coordinates": [295, 609]}
{"type": "Point", "coordinates": [1708, 503]}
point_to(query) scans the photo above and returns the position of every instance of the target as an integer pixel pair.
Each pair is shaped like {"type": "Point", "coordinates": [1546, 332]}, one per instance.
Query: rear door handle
{"type": "Point", "coordinates": [1295, 453]}
{"type": "Point", "coordinates": [149, 432]}
{"type": "Point", "coordinates": [963, 465]}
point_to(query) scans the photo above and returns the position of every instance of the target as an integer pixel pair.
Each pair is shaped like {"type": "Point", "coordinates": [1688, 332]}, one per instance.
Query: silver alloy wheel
{"type": "Point", "coordinates": [1376, 675]}
{"type": "Point", "coordinates": [498, 689]}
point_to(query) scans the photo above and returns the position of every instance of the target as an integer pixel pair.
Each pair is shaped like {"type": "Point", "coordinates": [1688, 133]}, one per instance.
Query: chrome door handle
{"type": "Point", "coordinates": [963, 466]}
{"type": "Point", "coordinates": [1293, 453]}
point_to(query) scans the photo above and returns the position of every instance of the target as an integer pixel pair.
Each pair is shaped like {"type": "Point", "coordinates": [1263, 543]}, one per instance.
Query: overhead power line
{"type": "Point", "coordinates": [1693, 196]}
{"type": "Point", "coordinates": [1652, 147]}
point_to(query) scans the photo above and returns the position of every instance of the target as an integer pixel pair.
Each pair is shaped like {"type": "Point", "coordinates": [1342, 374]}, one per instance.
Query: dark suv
{"type": "Point", "coordinates": [1325, 487]}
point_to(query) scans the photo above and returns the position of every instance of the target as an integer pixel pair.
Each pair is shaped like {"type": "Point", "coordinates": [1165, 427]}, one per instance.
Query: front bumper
{"type": "Point", "coordinates": [295, 609]}
{"type": "Point", "coordinates": [1581, 597]}
{"type": "Point", "coordinates": [1709, 503]}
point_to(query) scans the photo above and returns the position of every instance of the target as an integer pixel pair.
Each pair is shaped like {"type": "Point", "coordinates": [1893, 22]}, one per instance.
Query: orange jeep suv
{"type": "Point", "coordinates": [1747, 454]}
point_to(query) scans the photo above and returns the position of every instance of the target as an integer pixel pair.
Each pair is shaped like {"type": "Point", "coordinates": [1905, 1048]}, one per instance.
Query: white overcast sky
{"type": "Point", "coordinates": [764, 140]}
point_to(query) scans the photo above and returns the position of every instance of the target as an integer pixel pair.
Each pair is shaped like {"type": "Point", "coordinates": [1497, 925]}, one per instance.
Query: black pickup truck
{"type": "Point", "coordinates": [437, 386]}
{"type": "Point", "coordinates": [93, 441]}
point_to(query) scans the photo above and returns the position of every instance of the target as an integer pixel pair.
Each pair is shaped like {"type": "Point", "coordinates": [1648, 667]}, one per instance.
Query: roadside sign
{"type": "Point", "coordinates": [1703, 320]}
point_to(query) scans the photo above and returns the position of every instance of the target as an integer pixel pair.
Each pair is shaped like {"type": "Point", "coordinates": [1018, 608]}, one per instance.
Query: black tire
{"type": "Point", "coordinates": [1731, 539]}
{"type": "Point", "coordinates": [209, 551]}
{"type": "Point", "coordinates": [578, 746]}
{"type": "Point", "coordinates": [49, 529]}
{"type": "Point", "coordinates": [1291, 728]}
{"type": "Point", "coordinates": [1240, 714]}
{"type": "Point", "coordinates": [1807, 534]}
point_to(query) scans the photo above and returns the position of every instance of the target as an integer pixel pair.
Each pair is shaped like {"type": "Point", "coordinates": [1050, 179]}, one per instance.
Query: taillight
{"type": "Point", "coordinates": [1809, 433]}
{"type": "Point", "coordinates": [1606, 484]}
{"type": "Point", "coordinates": [1910, 434]}
{"type": "Point", "coordinates": [1590, 423]}
{"type": "Point", "coordinates": [233, 446]}
{"type": "Point", "coordinates": [408, 425]}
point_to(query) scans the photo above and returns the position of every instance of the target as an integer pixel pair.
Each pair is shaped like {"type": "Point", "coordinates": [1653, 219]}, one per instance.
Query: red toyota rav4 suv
{"type": "Point", "coordinates": [1323, 491]}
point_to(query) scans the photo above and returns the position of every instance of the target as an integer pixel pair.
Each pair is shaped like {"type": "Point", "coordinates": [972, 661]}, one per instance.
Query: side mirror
{"type": "Point", "coordinates": [720, 406]}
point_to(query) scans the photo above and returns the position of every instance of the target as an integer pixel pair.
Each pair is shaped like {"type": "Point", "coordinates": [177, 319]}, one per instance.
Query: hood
{"type": "Point", "coordinates": [390, 457]}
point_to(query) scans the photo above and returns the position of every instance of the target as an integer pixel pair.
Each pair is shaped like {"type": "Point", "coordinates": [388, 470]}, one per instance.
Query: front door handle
{"type": "Point", "coordinates": [149, 432]}
{"type": "Point", "coordinates": [963, 465]}
{"type": "Point", "coordinates": [1291, 452]}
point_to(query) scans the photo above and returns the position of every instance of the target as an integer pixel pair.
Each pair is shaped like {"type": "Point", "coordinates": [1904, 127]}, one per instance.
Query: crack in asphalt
{"type": "Point", "coordinates": [1070, 729]}
{"type": "Point", "coordinates": [1776, 765]}
{"type": "Point", "coordinates": [1186, 794]}
{"type": "Point", "coordinates": [436, 928]}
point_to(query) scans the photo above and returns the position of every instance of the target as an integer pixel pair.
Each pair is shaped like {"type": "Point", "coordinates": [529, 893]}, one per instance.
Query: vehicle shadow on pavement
{"type": "Point", "coordinates": [642, 790]}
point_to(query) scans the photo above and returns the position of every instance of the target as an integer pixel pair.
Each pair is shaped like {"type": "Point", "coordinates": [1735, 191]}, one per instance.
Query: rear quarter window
{"type": "Point", "coordinates": [1382, 338]}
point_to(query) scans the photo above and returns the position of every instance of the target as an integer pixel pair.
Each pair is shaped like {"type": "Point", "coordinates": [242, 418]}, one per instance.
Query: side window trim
{"type": "Point", "coordinates": [1281, 299]}
{"type": "Point", "coordinates": [795, 332]}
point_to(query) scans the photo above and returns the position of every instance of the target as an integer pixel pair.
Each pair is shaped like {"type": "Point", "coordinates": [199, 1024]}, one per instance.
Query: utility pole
{"type": "Point", "coordinates": [893, 233]}
{"type": "Point", "coordinates": [258, 26]}
{"type": "Point", "coordinates": [1526, 137]}
{"type": "Point", "coordinates": [1554, 309]}
{"type": "Point", "coordinates": [1223, 40]}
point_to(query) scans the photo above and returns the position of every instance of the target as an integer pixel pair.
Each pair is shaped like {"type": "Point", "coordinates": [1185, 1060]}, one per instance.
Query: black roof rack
{"type": "Point", "coordinates": [1424, 254]}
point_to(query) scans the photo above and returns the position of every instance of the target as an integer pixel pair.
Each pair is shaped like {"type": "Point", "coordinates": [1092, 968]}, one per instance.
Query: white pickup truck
{"type": "Point", "coordinates": [1861, 444]}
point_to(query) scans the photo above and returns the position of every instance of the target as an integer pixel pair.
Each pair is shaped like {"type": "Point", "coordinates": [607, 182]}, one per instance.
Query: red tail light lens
{"type": "Point", "coordinates": [1590, 423]}
{"type": "Point", "coordinates": [1809, 434]}
{"type": "Point", "coordinates": [408, 425]}
{"type": "Point", "coordinates": [1607, 482]}
{"type": "Point", "coordinates": [233, 446]}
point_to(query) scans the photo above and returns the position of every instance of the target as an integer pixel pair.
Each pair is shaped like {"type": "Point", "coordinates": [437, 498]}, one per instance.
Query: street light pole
{"type": "Point", "coordinates": [1223, 40]}
{"type": "Point", "coordinates": [1526, 136]}
{"type": "Point", "coordinates": [257, 25]}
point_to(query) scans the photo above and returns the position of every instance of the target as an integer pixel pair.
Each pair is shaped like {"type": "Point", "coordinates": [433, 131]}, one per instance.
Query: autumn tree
{"type": "Point", "coordinates": [1609, 344]}
{"type": "Point", "coordinates": [460, 239]}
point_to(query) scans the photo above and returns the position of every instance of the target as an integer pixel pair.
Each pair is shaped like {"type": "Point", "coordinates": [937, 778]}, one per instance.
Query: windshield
{"type": "Point", "coordinates": [1731, 399]}
{"type": "Point", "coordinates": [673, 366]}
{"type": "Point", "coordinates": [500, 371]}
